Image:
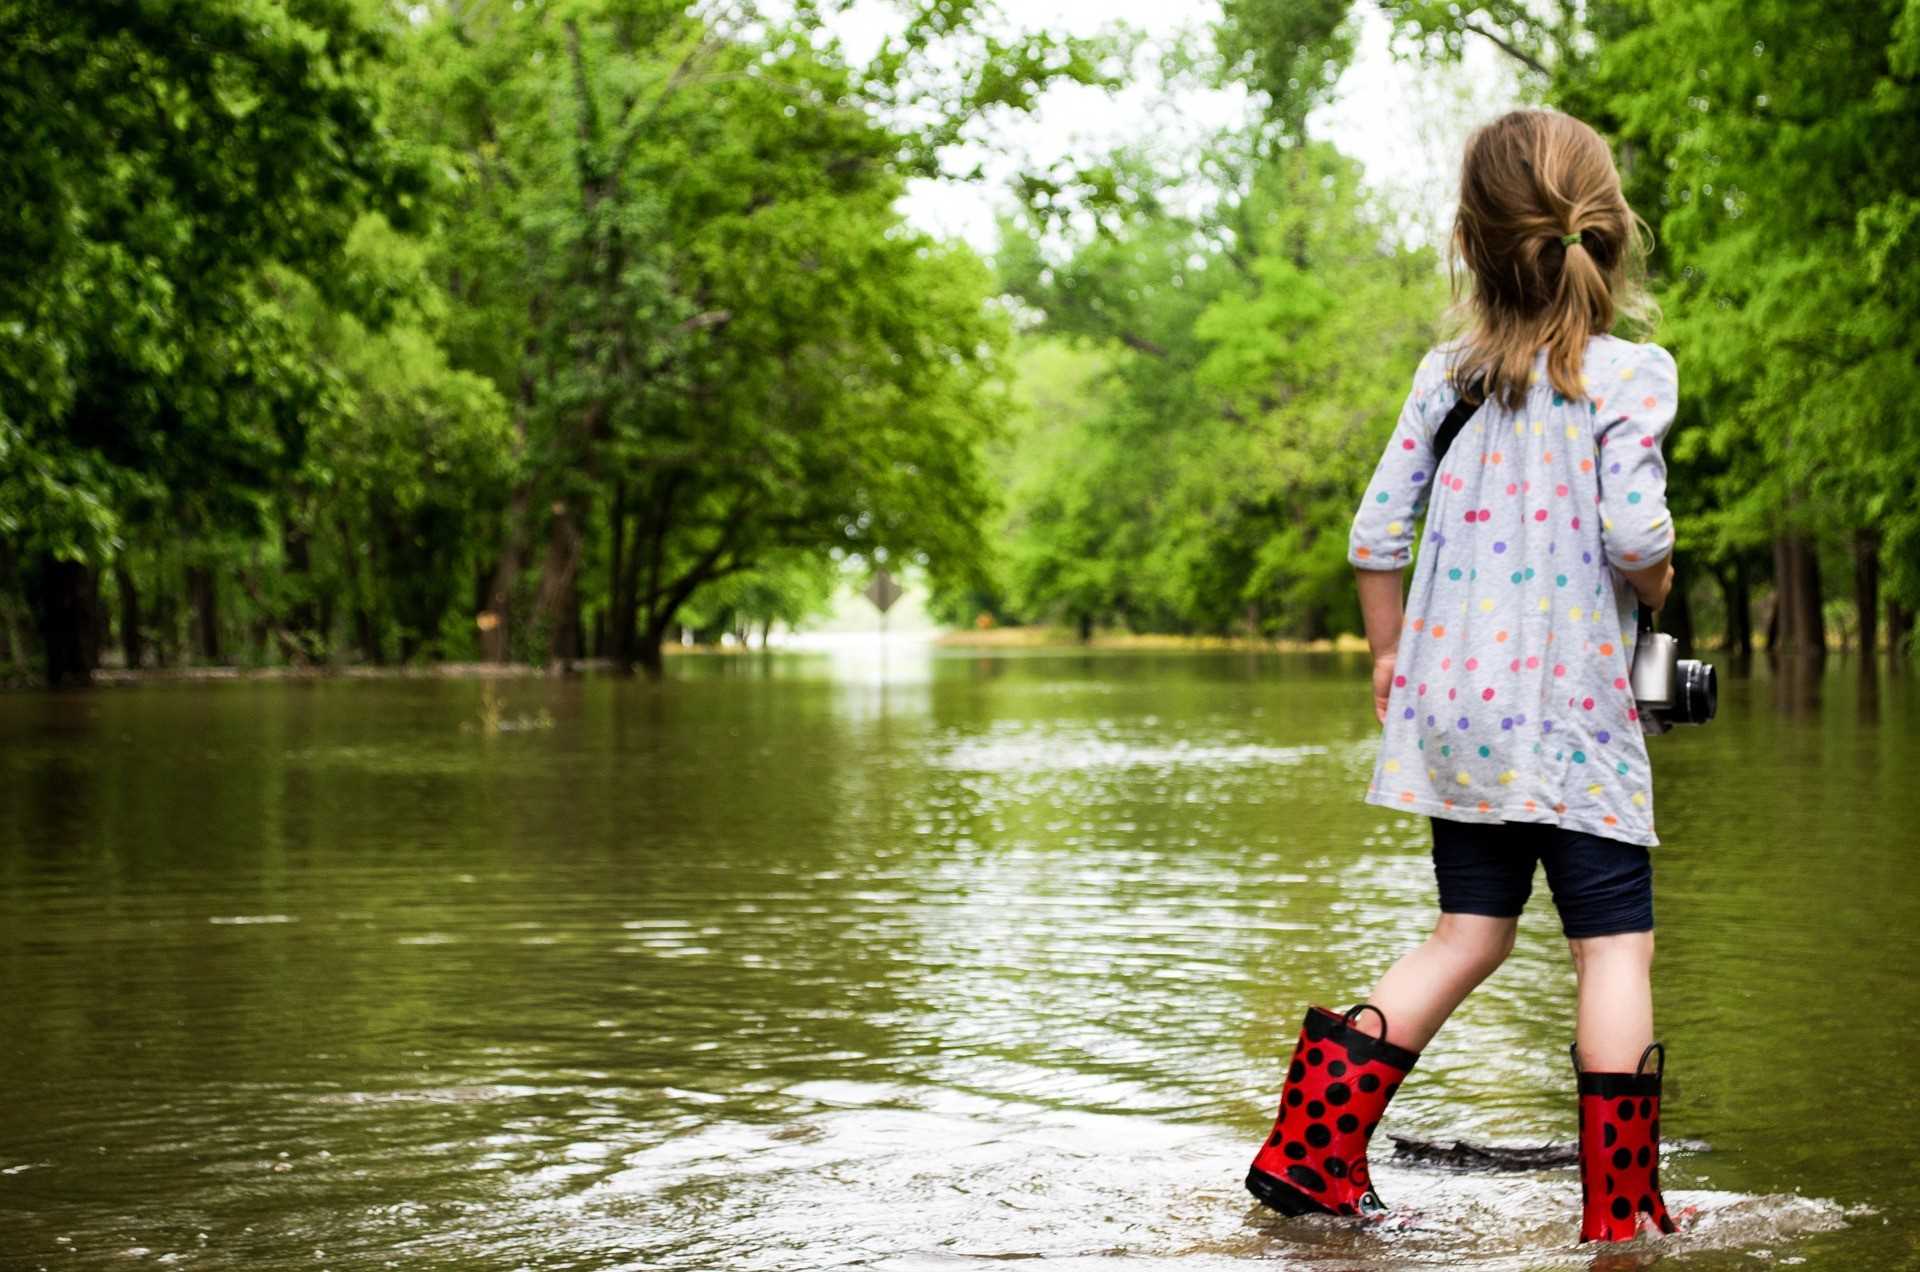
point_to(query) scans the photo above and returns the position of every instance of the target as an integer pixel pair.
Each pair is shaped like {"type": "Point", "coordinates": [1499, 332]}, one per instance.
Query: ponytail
{"type": "Point", "coordinates": [1553, 249]}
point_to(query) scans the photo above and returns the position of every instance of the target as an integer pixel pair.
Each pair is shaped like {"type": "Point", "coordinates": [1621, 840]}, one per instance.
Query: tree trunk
{"type": "Point", "coordinates": [1780, 622]}
{"type": "Point", "coordinates": [652, 515]}
{"type": "Point", "coordinates": [366, 637]}
{"type": "Point", "coordinates": [496, 607]}
{"type": "Point", "coordinates": [1899, 628]}
{"type": "Point", "coordinates": [65, 595]}
{"type": "Point", "coordinates": [495, 617]}
{"type": "Point", "coordinates": [1086, 627]}
{"type": "Point", "coordinates": [1313, 622]}
{"type": "Point", "coordinates": [648, 654]}
{"type": "Point", "coordinates": [1773, 621]}
{"type": "Point", "coordinates": [1737, 588]}
{"type": "Point", "coordinates": [1676, 616]}
{"type": "Point", "coordinates": [555, 606]}
{"type": "Point", "coordinates": [129, 612]}
{"type": "Point", "coordinates": [1802, 628]}
{"type": "Point", "coordinates": [323, 628]}
{"type": "Point", "coordinates": [203, 595]}
{"type": "Point", "coordinates": [304, 618]}
{"type": "Point", "coordinates": [623, 599]}
{"type": "Point", "coordinates": [1866, 590]}
{"type": "Point", "coordinates": [1812, 623]}
{"type": "Point", "coordinates": [163, 612]}
{"type": "Point", "coordinates": [102, 621]}
{"type": "Point", "coordinates": [15, 644]}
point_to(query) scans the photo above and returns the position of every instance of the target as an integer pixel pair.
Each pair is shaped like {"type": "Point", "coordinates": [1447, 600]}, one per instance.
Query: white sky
{"type": "Point", "coordinates": [1405, 124]}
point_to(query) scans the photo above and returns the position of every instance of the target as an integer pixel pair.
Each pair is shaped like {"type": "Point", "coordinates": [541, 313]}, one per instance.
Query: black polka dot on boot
{"type": "Point", "coordinates": [1311, 1178]}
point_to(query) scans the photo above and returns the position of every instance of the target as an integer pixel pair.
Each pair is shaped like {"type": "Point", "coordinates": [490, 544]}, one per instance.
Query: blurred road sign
{"type": "Point", "coordinates": [883, 591]}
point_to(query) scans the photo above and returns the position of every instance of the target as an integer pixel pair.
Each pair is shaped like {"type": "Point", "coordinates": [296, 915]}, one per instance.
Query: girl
{"type": "Point", "coordinates": [1503, 689]}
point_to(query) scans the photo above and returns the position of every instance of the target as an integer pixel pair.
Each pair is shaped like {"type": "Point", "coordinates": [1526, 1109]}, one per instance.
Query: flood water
{"type": "Point", "coordinates": [792, 963]}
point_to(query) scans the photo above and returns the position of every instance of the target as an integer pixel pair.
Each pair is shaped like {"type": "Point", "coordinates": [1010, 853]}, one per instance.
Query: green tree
{"type": "Point", "coordinates": [677, 242]}
{"type": "Point", "coordinates": [1257, 356]}
{"type": "Point", "coordinates": [157, 158]}
{"type": "Point", "coordinates": [1792, 213]}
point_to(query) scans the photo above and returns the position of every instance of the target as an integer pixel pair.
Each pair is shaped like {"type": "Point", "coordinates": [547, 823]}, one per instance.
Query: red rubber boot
{"type": "Point", "coordinates": [1315, 1160]}
{"type": "Point", "coordinates": [1620, 1151]}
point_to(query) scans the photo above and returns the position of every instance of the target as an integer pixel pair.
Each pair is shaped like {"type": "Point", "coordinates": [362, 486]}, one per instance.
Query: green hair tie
{"type": "Point", "coordinates": [1570, 239]}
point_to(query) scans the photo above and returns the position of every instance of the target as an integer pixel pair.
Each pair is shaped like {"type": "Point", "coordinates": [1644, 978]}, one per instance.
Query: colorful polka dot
{"type": "Point", "coordinates": [1520, 617]}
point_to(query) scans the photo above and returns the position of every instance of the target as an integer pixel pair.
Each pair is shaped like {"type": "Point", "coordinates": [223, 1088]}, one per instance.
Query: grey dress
{"type": "Point", "coordinates": [1510, 699]}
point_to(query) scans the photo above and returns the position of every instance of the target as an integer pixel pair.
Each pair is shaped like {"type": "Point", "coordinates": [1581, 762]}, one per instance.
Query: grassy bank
{"type": "Point", "coordinates": [1046, 637]}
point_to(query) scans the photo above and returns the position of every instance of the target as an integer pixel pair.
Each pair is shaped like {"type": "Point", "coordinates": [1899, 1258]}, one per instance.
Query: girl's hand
{"type": "Point", "coordinates": [1653, 583]}
{"type": "Point", "coordinates": [1382, 685]}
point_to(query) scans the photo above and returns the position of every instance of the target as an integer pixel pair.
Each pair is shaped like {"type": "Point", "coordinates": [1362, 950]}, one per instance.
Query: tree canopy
{"type": "Point", "coordinates": [544, 331]}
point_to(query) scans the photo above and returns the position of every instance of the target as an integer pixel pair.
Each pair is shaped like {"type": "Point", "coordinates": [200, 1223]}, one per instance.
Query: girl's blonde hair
{"type": "Point", "coordinates": [1528, 178]}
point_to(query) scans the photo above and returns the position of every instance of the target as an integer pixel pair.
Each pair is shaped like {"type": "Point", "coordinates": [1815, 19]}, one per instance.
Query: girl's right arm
{"type": "Point", "coordinates": [1652, 584]}
{"type": "Point", "coordinates": [1636, 530]}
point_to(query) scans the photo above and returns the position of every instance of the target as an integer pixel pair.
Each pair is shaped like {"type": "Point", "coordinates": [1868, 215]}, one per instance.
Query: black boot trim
{"type": "Point", "coordinates": [1618, 1084]}
{"type": "Point", "coordinates": [1325, 1026]}
{"type": "Point", "coordinates": [1277, 1194]}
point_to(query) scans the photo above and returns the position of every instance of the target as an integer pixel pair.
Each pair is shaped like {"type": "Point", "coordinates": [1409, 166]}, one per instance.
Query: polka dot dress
{"type": "Point", "coordinates": [1510, 699]}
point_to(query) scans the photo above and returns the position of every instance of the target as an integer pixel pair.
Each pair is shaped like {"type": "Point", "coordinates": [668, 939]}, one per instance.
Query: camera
{"type": "Point", "coordinates": [1667, 688]}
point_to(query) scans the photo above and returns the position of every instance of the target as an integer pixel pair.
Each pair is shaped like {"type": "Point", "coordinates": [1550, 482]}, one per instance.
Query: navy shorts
{"type": "Point", "coordinates": [1600, 886]}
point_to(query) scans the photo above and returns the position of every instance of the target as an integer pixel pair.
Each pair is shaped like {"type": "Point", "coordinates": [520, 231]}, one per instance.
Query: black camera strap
{"type": "Point", "coordinates": [1463, 410]}
{"type": "Point", "coordinates": [1457, 418]}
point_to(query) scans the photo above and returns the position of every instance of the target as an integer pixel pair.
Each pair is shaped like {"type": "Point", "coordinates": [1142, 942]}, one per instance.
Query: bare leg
{"type": "Point", "coordinates": [1616, 1000]}
{"type": "Point", "coordinates": [1420, 991]}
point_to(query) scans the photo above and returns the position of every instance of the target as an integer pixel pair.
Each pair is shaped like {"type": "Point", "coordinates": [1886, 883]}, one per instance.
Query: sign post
{"type": "Point", "coordinates": [883, 592]}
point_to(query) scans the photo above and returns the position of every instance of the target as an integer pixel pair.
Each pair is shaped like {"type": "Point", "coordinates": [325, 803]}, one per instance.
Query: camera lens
{"type": "Point", "coordinates": [1698, 695]}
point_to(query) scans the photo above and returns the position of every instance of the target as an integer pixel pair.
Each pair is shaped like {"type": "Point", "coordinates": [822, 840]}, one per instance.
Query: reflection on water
{"type": "Point", "coordinates": [796, 962]}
